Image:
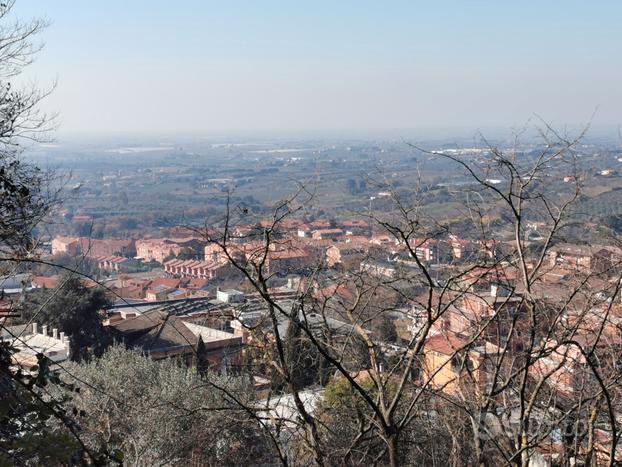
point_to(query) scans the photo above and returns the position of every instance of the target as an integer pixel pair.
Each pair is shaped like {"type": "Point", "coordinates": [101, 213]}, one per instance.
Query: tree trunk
{"type": "Point", "coordinates": [393, 451]}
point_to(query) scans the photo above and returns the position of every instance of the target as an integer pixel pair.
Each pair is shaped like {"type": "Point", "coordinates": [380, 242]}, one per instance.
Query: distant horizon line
{"type": "Point", "coordinates": [461, 131]}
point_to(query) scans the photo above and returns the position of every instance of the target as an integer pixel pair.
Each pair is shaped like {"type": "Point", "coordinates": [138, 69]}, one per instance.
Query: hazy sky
{"type": "Point", "coordinates": [190, 65]}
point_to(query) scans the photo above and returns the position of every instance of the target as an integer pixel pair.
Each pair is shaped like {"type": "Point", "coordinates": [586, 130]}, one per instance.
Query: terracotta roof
{"type": "Point", "coordinates": [319, 223]}
{"type": "Point", "coordinates": [445, 344]}
{"type": "Point", "coordinates": [349, 246]}
{"type": "Point", "coordinates": [328, 231]}
{"type": "Point", "coordinates": [45, 282]}
{"type": "Point", "coordinates": [66, 240]}
{"type": "Point", "coordinates": [171, 283]}
{"type": "Point", "coordinates": [355, 223]}
{"type": "Point", "coordinates": [196, 283]}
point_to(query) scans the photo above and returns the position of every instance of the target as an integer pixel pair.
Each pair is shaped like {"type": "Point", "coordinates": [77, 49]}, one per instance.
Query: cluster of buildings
{"type": "Point", "coordinates": [194, 268]}
{"type": "Point", "coordinates": [572, 319]}
{"type": "Point", "coordinates": [161, 249]}
{"type": "Point", "coordinates": [154, 289]}
{"type": "Point", "coordinates": [85, 246]}
{"type": "Point", "coordinates": [168, 316]}
{"type": "Point", "coordinates": [115, 255]}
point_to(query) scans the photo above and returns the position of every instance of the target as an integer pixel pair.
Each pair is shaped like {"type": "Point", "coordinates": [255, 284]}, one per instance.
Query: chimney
{"type": "Point", "coordinates": [62, 337]}
{"type": "Point", "coordinates": [34, 328]}
{"type": "Point", "coordinates": [44, 329]}
{"type": "Point", "coordinates": [55, 333]}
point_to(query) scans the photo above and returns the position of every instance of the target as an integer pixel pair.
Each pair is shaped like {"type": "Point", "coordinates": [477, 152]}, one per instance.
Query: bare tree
{"type": "Point", "coordinates": [527, 365]}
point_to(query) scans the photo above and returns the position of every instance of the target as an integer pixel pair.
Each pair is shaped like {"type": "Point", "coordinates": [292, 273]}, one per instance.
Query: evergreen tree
{"type": "Point", "coordinates": [202, 361]}
{"type": "Point", "coordinates": [302, 356]}
{"type": "Point", "coordinates": [385, 329]}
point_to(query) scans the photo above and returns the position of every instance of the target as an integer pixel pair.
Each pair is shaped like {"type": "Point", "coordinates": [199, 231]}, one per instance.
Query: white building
{"type": "Point", "coordinates": [34, 341]}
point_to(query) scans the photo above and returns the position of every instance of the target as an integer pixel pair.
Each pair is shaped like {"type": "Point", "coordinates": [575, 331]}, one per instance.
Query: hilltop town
{"type": "Point", "coordinates": [310, 234]}
{"type": "Point", "coordinates": [457, 300]}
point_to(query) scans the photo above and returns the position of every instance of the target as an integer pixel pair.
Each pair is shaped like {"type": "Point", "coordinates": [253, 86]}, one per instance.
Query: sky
{"type": "Point", "coordinates": [287, 66]}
